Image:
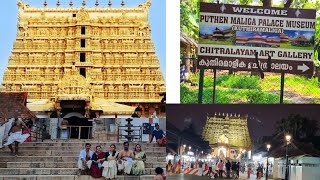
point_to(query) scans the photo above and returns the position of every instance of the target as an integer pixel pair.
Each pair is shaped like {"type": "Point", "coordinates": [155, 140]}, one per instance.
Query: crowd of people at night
{"type": "Point", "coordinates": [214, 169]}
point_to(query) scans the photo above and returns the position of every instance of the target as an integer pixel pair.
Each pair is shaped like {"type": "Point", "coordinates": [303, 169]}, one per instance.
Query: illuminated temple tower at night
{"type": "Point", "coordinates": [228, 135]}
{"type": "Point", "coordinates": [85, 61]}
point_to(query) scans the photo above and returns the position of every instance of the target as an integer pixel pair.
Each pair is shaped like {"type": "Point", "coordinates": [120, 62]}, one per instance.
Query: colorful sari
{"type": "Point", "coordinates": [178, 167]}
{"type": "Point", "coordinates": [162, 141]}
{"type": "Point", "coordinates": [110, 165]}
{"type": "Point", "coordinates": [96, 169]}
{"type": "Point", "coordinates": [138, 165]}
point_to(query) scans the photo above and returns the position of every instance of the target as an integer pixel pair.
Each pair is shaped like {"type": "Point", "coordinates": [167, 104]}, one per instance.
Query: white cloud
{"type": "Point", "coordinates": [308, 35]}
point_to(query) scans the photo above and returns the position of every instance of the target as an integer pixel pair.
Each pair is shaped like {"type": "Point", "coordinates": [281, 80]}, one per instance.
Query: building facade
{"type": "Point", "coordinates": [228, 135]}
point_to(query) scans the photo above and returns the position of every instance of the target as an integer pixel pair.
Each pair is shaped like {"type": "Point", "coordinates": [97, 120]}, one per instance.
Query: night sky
{"type": "Point", "coordinates": [261, 118]}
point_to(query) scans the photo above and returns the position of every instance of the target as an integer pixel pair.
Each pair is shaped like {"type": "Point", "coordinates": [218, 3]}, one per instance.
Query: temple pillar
{"type": "Point", "coordinates": [54, 125]}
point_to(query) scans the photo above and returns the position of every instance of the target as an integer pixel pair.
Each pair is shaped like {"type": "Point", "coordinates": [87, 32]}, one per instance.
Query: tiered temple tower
{"type": "Point", "coordinates": [227, 134]}
{"type": "Point", "coordinates": [95, 61]}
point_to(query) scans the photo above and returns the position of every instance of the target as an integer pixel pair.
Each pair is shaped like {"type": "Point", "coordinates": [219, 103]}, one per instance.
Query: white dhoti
{"type": "Point", "coordinates": [82, 167]}
{"type": "Point", "coordinates": [127, 165]}
{"type": "Point", "coordinates": [2, 129]}
{"type": "Point", "coordinates": [17, 136]}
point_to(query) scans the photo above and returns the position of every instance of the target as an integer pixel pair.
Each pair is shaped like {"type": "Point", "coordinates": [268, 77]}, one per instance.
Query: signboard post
{"type": "Point", "coordinates": [232, 36]}
{"type": "Point", "coordinates": [200, 86]}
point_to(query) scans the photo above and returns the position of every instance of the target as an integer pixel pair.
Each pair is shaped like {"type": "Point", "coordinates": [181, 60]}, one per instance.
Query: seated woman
{"type": "Point", "coordinates": [110, 163]}
{"type": "Point", "coordinates": [139, 158]}
{"type": "Point", "coordinates": [96, 166]}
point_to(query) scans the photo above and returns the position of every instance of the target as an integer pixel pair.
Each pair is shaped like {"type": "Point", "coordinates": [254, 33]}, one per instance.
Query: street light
{"type": "Point", "coordinates": [189, 148]}
{"type": "Point", "coordinates": [268, 148]}
{"type": "Point", "coordinates": [288, 138]}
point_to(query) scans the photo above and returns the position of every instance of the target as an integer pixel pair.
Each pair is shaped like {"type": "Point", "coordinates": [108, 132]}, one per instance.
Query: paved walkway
{"type": "Point", "coordinates": [192, 177]}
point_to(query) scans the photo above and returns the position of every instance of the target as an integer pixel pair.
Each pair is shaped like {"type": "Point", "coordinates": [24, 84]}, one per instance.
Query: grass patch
{"type": "Point", "coordinates": [220, 42]}
{"type": "Point", "coordinates": [296, 84]}
{"type": "Point", "coordinates": [244, 96]}
{"type": "Point", "coordinates": [238, 82]}
{"type": "Point", "coordinates": [251, 89]}
{"type": "Point", "coordinates": [289, 46]}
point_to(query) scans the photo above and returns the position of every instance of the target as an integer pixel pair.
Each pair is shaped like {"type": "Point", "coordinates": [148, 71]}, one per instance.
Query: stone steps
{"type": "Point", "coordinates": [154, 149]}
{"type": "Point", "coordinates": [69, 177]}
{"type": "Point", "coordinates": [64, 153]}
{"type": "Point", "coordinates": [63, 164]}
{"type": "Point", "coordinates": [82, 144]}
{"type": "Point", "coordinates": [49, 171]}
{"type": "Point", "coordinates": [59, 159]}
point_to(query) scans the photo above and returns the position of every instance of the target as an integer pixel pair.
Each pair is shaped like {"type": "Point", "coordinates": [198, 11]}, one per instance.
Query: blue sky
{"type": "Point", "coordinates": [294, 33]}
{"type": "Point", "coordinates": [9, 18]}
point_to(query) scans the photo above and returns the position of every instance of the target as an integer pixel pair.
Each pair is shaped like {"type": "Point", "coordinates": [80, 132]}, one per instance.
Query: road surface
{"type": "Point", "coordinates": [193, 177]}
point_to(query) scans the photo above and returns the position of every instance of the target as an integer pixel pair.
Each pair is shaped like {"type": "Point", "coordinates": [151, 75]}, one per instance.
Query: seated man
{"type": "Point", "coordinates": [84, 161]}
{"type": "Point", "coordinates": [159, 134]}
{"type": "Point", "coordinates": [126, 159]}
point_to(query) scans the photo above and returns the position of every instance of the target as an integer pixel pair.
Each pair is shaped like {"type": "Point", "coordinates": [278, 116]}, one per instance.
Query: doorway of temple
{"type": "Point", "coordinates": [73, 106]}
{"type": "Point", "coordinates": [80, 128]}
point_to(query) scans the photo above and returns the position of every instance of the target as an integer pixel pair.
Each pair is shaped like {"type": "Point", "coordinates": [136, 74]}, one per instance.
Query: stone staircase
{"type": "Point", "coordinates": [58, 160]}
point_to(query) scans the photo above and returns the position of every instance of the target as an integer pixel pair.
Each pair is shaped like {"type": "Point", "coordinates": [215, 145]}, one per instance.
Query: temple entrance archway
{"type": "Point", "coordinates": [80, 128]}
{"type": "Point", "coordinates": [73, 115]}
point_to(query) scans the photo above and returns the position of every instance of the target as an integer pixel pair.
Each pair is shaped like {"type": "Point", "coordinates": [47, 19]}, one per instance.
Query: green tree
{"type": "Point", "coordinates": [189, 17]}
{"type": "Point", "coordinates": [299, 127]}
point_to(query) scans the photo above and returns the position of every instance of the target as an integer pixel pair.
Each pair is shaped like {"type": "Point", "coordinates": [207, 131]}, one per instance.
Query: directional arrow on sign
{"type": "Point", "coordinates": [297, 13]}
{"type": "Point", "coordinates": [303, 68]}
{"type": "Point", "coordinates": [223, 8]}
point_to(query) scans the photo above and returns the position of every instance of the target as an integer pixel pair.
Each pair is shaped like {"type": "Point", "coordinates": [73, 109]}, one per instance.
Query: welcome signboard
{"type": "Point", "coordinates": [231, 36]}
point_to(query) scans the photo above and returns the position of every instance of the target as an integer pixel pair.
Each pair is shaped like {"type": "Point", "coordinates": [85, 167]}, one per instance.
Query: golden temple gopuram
{"type": "Point", "coordinates": [91, 61]}
{"type": "Point", "coordinates": [228, 135]}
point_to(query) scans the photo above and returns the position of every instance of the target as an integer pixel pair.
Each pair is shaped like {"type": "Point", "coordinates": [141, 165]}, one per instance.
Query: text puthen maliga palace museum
{"type": "Point", "coordinates": [85, 61]}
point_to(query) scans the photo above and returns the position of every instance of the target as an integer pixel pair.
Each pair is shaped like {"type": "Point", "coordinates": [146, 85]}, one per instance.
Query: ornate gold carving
{"type": "Point", "coordinates": [227, 129]}
{"type": "Point", "coordinates": [120, 60]}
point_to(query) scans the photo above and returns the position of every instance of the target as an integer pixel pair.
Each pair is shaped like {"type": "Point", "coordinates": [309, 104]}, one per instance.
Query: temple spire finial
{"type": "Point", "coordinates": [122, 3]}
{"type": "Point", "coordinates": [45, 3]}
{"type": "Point", "coordinates": [84, 3]}
{"type": "Point", "coordinates": [58, 3]}
{"type": "Point", "coordinates": [97, 3]}
{"type": "Point", "coordinates": [71, 3]}
{"type": "Point", "coordinates": [109, 4]}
